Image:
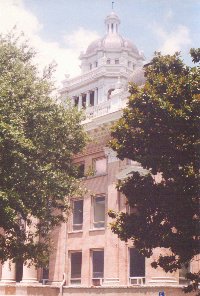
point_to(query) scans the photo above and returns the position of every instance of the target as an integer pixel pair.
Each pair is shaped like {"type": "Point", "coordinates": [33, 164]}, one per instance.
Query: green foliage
{"type": "Point", "coordinates": [160, 130]}
{"type": "Point", "coordinates": [38, 139]}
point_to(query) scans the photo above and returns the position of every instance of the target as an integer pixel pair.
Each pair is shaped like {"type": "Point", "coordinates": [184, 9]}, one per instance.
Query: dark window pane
{"type": "Point", "coordinates": [98, 264]}
{"type": "Point", "coordinates": [99, 212]}
{"type": "Point", "coordinates": [78, 215]}
{"type": "Point", "coordinates": [76, 262]}
{"type": "Point", "coordinates": [80, 170]}
{"type": "Point", "coordinates": [137, 263]}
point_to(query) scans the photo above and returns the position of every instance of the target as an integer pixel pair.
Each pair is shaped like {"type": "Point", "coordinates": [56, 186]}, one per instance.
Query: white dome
{"type": "Point", "coordinates": [112, 40]}
{"type": "Point", "coordinates": [138, 76]}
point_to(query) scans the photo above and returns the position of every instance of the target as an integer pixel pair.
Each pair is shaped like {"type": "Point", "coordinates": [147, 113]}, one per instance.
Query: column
{"type": "Point", "coordinates": [8, 272]}
{"type": "Point", "coordinates": [158, 276]}
{"type": "Point", "coordinates": [73, 101]}
{"type": "Point", "coordinates": [88, 99]}
{"type": "Point", "coordinates": [113, 254]}
{"type": "Point", "coordinates": [95, 96]}
{"type": "Point", "coordinates": [80, 102]}
{"type": "Point", "coordinates": [29, 270]}
{"type": "Point", "coordinates": [29, 273]}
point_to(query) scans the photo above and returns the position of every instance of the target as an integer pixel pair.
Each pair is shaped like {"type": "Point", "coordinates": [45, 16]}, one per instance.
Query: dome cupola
{"type": "Point", "coordinates": [112, 22]}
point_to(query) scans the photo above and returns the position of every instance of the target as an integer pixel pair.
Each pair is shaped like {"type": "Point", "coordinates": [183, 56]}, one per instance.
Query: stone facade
{"type": "Point", "coordinates": [87, 258]}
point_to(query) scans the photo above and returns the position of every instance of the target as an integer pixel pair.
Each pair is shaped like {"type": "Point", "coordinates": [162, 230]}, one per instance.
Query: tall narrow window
{"type": "Point", "coordinates": [99, 212]}
{"type": "Point", "coordinates": [137, 267]}
{"type": "Point", "coordinates": [80, 167]}
{"type": "Point", "coordinates": [84, 101]}
{"type": "Point", "coordinates": [76, 100]}
{"type": "Point", "coordinates": [92, 98]}
{"type": "Point", "coordinates": [97, 266]}
{"type": "Point", "coordinates": [100, 166]}
{"type": "Point", "coordinates": [77, 215]}
{"type": "Point", "coordinates": [76, 264]}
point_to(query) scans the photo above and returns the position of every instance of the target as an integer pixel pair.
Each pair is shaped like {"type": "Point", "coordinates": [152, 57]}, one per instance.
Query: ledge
{"type": "Point", "coordinates": [97, 229]}
{"type": "Point", "coordinates": [75, 231]}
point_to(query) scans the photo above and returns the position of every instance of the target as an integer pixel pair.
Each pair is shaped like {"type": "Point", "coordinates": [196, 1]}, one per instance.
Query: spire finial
{"type": "Point", "coordinates": [113, 5]}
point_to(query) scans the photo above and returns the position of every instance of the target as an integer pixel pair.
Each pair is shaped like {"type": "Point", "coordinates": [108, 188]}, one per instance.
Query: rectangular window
{"type": "Point", "coordinates": [80, 167]}
{"type": "Point", "coordinates": [77, 215]}
{"type": "Point", "coordinates": [116, 62]}
{"type": "Point", "coordinates": [99, 212]}
{"type": "Point", "coordinates": [137, 267]}
{"type": "Point", "coordinates": [92, 98]}
{"type": "Point", "coordinates": [76, 264]}
{"type": "Point", "coordinates": [84, 100]}
{"type": "Point", "coordinates": [76, 100]}
{"type": "Point", "coordinates": [98, 264]}
{"type": "Point", "coordinates": [100, 166]}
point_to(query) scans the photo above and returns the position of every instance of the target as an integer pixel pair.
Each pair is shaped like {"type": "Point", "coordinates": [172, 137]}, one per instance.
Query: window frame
{"type": "Point", "coordinates": [77, 165]}
{"type": "Point", "coordinates": [72, 218]}
{"type": "Point", "coordinates": [70, 266]}
{"type": "Point", "coordinates": [97, 280]}
{"type": "Point", "coordinates": [135, 279]}
{"type": "Point", "coordinates": [95, 223]}
{"type": "Point", "coordinates": [94, 166]}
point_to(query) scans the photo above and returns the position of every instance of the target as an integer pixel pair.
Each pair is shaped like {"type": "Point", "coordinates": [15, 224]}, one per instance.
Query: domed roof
{"type": "Point", "coordinates": [138, 76]}
{"type": "Point", "coordinates": [112, 16]}
{"type": "Point", "coordinates": [112, 40]}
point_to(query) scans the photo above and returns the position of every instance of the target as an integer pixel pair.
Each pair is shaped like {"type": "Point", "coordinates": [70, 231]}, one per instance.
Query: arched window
{"type": "Point", "coordinates": [112, 27]}
{"type": "Point", "coordinates": [109, 93]}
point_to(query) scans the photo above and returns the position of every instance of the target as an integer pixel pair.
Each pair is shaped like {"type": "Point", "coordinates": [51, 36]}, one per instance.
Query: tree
{"type": "Point", "coordinates": [38, 138]}
{"type": "Point", "coordinates": [160, 130]}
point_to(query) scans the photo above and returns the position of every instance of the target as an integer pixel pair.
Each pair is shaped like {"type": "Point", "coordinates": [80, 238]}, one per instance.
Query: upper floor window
{"type": "Point", "coordinates": [109, 93]}
{"type": "Point", "coordinates": [99, 211]}
{"type": "Point", "coordinates": [100, 166]}
{"type": "Point", "coordinates": [76, 264]}
{"type": "Point", "coordinates": [77, 215]}
{"type": "Point", "coordinates": [116, 61]}
{"type": "Point", "coordinates": [108, 61]}
{"type": "Point", "coordinates": [80, 167]}
{"type": "Point", "coordinates": [96, 64]}
{"type": "Point", "coordinates": [90, 66]}
{"type": "Point", "coordinates": [76, 100]}
{"type": "Point", "coordinates": [129, 63]}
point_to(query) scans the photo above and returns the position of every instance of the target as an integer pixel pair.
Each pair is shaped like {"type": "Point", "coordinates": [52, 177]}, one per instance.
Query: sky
{"type": "Point", "coordinates": [60, 29]}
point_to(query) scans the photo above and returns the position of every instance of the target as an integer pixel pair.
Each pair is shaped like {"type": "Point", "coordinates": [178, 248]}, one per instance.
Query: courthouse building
{"type": "Point", "coordinates": [85, 250]}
